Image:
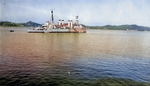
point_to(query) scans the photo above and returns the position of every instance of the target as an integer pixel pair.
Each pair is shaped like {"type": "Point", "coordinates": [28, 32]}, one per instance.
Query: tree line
{"type": "Point", "coordinates": [10, 24]}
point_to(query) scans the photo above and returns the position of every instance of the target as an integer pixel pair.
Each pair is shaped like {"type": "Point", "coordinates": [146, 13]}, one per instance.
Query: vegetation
{"type": "Point", "coordinates": [10, 24]}
{"type": "Point", "coordinates": [64, 81]}
{"type": "Point", "coordinates": [121, 27]}
{"type": "Point", "coordinates": [109, 27]}
{"type": "Point", "coordinates": [6, 23]}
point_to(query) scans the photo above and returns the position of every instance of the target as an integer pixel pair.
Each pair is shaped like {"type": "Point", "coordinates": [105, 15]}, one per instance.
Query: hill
{"type": "Point", "coordinates": [121, 27]}
{"type": "Point", "coordinates": [30, 23]}
{"type": "Point", "coordinates": [10, 24]}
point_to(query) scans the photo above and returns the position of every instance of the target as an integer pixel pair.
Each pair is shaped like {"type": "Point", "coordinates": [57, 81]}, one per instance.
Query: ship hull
{"type": "Point", "coordinates": [36, 31]}
{"type": "Point", "coordinates": [68, 31]}
{"type": "Point", "coordinates": [58, 31]}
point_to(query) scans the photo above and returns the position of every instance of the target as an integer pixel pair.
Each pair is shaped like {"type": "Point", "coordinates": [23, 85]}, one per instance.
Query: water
{"type": "Point", "coordinates": [91, 55]}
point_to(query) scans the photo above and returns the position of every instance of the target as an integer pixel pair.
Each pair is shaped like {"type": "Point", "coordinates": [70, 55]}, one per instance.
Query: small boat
{"type": "Point", "coordinates": [11, 30]}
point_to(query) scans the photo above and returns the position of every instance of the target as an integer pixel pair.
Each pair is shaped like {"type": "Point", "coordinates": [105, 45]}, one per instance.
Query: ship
{"type": "Point", "coordinates": [61, 27]}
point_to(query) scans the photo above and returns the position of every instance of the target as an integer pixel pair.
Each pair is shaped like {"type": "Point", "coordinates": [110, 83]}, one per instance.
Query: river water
{"type": "Point", "coordinates": [91, 55]}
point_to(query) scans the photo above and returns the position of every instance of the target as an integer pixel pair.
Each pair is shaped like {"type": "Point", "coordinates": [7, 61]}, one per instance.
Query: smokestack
{"type": "Point", "coordinates": [59, 23]}
{"type": "Point", "coordinates": [62, 21]}
{"type": "Point", "coordinates": [68, 23]}
{"type": "Point", "coordinates": [52, 16]}
{"type": "Point", "coordinates": [71, 23]}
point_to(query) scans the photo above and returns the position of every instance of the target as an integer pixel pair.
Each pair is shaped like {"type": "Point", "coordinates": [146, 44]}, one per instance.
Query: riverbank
{"type": "Point", "coordinates": [65, 81]}
{"type": "Point", "coordinates": [121, 27]}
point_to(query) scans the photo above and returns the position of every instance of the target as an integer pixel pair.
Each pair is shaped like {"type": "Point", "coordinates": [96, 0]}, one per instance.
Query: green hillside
{"type": "Point", "coordinates": [121, 27]}
{"type": "Point", "coordinates": [10, 24]}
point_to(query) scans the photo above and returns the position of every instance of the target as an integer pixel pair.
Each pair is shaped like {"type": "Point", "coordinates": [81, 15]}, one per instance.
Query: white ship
{"type": "Point", "coordinates": [61, 27]}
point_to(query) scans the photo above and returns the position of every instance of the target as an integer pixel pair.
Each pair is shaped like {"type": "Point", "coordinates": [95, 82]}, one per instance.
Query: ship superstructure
{"type": "Point", "coordinates": [62, 27]}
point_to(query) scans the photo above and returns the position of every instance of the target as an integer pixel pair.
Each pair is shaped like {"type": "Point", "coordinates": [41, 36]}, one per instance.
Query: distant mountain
{"type": "Point", "coordinates": [121, 27]}
{"type": "Point", "coordinates": [28, 24]}
{"type": "Point", "coordinates": [33, 24]}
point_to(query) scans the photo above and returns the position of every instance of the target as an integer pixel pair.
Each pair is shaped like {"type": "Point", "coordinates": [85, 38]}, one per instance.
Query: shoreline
{"type": "Point", "coordinates": [87, 29]}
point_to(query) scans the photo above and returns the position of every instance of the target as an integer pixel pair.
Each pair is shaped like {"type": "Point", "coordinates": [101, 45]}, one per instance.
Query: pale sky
{"type": "Point", "coordinates": [90, 12]}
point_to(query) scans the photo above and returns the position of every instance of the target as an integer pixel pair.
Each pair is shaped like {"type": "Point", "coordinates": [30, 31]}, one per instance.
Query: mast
{"type": "Point", "coordinates": [77, 22]}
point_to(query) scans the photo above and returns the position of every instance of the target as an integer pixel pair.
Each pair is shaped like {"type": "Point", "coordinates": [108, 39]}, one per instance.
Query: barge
{"type": "Point", "coordinates": [61, 27]}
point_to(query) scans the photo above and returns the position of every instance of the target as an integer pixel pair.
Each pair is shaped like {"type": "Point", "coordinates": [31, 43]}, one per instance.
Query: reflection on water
{"type": "Point", "coordinates": [95, 54]}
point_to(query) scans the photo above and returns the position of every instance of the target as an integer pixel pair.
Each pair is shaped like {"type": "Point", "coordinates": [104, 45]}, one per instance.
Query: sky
{"type": "Point", "coordinates": [90, 12]}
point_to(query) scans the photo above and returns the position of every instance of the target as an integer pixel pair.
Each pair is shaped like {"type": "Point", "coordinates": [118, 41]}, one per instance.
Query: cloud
{"type": "Point", "coordinates": [97, 12]}
{"type": "Point", "coordinates": [117, 13]}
